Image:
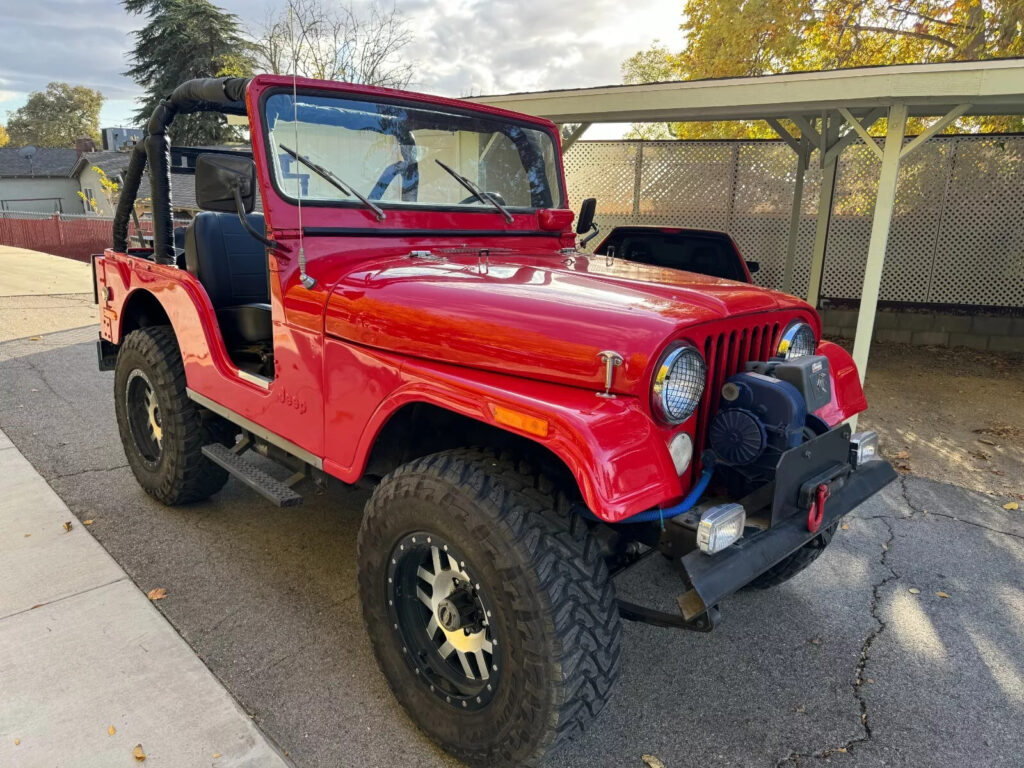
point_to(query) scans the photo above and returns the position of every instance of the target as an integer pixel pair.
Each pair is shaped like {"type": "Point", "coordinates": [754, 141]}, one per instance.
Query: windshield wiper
{"type": "Point", "coordinates": [478, 193]}
{"type": "Point", "coordinates": [334, 181]}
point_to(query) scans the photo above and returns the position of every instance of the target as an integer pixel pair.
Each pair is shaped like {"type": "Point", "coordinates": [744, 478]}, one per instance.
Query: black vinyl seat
{"type": "Point", "coordinates": [232, 266]}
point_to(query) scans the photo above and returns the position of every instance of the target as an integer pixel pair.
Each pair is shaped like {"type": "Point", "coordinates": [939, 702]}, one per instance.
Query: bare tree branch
{"type": "Point", "coordinates": [904, 33]}
{"type": "Point", "coordinates": [346, 42]}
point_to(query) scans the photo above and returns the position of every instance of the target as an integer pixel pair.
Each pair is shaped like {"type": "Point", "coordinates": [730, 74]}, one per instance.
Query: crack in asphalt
{"type": "Point", "coordinates": [45, 382]}
{"type": "Point", "coordinates": [794, 757]}
{"type": "Point", "coordinates": [87, 471]}
{"type": "Point", "coordinates": [924, 512]}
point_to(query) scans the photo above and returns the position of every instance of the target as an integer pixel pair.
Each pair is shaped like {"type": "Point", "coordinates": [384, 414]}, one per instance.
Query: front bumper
{"type": "Point", "coordinates": [714, 577]}
{"type": "Point", "coordinates": [781, 509]}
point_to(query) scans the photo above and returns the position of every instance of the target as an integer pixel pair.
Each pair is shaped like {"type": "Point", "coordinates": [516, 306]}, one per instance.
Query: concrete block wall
{"type": "Point", "coordinates": [938, 329]}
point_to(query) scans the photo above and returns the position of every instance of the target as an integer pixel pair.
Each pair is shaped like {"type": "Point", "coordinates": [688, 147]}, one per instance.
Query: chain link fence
{"type": "Point", "coordinates": [957, 235]}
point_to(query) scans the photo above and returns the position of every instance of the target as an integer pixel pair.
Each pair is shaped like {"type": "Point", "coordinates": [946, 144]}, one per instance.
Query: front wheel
{"type": "Point", "coordinates": [493, 617]}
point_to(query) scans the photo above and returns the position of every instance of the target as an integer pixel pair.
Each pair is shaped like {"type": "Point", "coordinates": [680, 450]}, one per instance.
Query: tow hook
{"type": "Point", "coordinates": [817, 511]}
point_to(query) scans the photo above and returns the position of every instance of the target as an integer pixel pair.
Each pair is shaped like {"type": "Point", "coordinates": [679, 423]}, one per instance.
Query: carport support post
{"type": "Point", "coordinates": [825, 198]}
{"type": "Point", "coordinates": [884, 202]}
{"type": "Point", "coordinates": [794, 219]}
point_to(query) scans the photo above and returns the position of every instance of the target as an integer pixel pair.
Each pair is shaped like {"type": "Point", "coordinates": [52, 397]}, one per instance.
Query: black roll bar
{"type": "Point", "coordinates": [210, 94]}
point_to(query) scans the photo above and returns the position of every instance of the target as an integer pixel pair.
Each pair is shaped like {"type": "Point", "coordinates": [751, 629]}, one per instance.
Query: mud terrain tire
{"type": "Point", "coordinates": [167, 462]}
{"type": "Point", "coordinates": [554, 607]}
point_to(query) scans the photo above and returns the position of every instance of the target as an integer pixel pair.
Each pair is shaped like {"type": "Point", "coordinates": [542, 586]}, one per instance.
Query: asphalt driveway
{"type": "Point", "coordinates": [844, 664]}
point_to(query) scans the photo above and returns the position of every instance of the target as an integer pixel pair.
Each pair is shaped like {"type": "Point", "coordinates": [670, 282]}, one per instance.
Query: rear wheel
{"type": "Point", "coordinates": [492, 617]}
{"type": "Point", "coordinates": [162, 430]}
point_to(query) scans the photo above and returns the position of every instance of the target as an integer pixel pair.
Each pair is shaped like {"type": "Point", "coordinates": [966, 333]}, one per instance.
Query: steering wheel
{"type": "Point", "coordinates": [402, 169]}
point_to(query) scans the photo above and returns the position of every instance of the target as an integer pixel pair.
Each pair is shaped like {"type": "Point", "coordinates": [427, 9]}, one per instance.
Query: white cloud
{"type": "Point", "coordinates": [462, 47]}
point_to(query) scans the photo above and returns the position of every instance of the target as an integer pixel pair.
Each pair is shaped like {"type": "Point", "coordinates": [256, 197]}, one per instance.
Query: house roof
{"type": "Point", "coordinates": [47, 162]}
{"type": "Point", "coordinates": [110, 162]}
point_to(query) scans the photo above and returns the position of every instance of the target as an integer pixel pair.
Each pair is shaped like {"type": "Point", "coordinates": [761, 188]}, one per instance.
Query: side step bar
{"type": "Point", "coordinates": [266, 486]}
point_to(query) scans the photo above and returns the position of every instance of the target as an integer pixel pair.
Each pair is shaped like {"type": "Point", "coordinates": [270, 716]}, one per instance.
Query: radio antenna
{"type": "Point", "coordinates": [307, 281]}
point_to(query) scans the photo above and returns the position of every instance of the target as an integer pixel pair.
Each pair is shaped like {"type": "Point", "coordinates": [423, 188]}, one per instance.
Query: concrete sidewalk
{"type": "Point", "coordinates": [40, 293]}
{"type": "Point", "coordinates": [88, 667]}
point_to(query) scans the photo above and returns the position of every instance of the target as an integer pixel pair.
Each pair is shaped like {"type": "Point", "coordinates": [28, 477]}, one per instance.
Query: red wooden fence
{"type": "Point", "coordinates": [74, 237]}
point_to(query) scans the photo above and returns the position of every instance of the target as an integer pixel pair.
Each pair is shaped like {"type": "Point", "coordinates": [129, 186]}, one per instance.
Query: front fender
{"type": "Point", "coordinates": [847, 393]}
{"type": "Point", "coordinates": [615, 452]}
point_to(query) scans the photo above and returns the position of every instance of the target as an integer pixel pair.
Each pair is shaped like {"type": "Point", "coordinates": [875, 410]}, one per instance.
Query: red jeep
{"type": "Point", "coordinates": [410, 307]}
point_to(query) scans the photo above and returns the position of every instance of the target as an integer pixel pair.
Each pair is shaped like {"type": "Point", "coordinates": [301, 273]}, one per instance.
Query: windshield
{"type": "Point", "coordinates": [401, 155]}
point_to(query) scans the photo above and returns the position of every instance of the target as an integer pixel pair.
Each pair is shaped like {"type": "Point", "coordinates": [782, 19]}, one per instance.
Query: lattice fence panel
{"type": "Point", "coordinates": [957, 234]}
{"type": "Point", "coordinates": [979, 256]}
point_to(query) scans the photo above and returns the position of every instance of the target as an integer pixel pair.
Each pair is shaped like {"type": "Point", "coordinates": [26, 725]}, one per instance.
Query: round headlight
{"type": "Point", "coordinates": [678, 384]}
{"type": "Point", "coordinates": [797, 341]}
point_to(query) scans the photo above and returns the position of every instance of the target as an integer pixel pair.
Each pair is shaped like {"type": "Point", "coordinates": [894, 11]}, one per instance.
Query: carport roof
{"type": "Point", "coordinates": [994, 87]}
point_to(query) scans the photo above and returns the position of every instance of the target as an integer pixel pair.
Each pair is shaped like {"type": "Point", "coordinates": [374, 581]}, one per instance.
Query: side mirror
{"type": "Point", "coordinates": [223, 180]}
{"type": "Point", "coordinates": [753, 266]}
{"type": "Point", "coordinates": [586, 218]}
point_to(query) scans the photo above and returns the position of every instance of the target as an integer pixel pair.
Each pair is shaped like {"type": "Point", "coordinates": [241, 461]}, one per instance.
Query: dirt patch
{"type": "Point", "coordinates": [953, 415]}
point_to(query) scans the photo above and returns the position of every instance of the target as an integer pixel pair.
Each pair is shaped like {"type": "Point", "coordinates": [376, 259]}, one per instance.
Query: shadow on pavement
{"type": "Point", "coordinates": [842, 657]}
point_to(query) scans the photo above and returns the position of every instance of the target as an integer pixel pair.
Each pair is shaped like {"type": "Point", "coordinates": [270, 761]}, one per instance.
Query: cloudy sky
{"type": "Point", "coordinates": [462, 46]}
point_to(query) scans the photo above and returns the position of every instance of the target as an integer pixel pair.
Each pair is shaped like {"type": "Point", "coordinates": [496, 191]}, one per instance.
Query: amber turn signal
{"type": "Point", "coordinates": [520, 420]}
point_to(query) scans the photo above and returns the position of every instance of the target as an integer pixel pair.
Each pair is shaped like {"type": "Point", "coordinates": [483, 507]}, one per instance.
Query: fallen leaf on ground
{"type": "Point", "coordinates": [111, 730]}
{"type": "Point", "coordinates": [27, 535]}
{"type": "Point", "coordinates": [802, 709]}
{"type": "Point", "coordinates": [1011, 505]}
{"type": "Point", "coordinates": [914, 591]}
{"type": "Point", "coordinates": [138, 754]}
{"type": "Point", "coordinates": [87, 522]}
{"type": "Point", "coordinates": [846, 527]}
{"type": "Point", "coordinates": [871, 680]}
{"type": "Point", "coordinates": [159, 593]}
{"type": "Point", "coordinates": [216, 755]}
{"type": "Point", "coordinates": [841, 749]}
{"type": "Point", "coordinates": [35, 338]}
{"type": "Point", "coordinates": [942, 594]}
{"type": "Point", "coordinates": [67, 526]}
{"type": "Point", "coordinates": [17, 742]}
{"type": "Point", "coordinates": [902, 455]}
{"type": "Point", "coordinates": [652, 762]}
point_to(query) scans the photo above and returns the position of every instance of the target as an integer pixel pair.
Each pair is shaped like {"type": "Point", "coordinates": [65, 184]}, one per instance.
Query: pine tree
{"type": "Point", "coordinates": [185, 39]}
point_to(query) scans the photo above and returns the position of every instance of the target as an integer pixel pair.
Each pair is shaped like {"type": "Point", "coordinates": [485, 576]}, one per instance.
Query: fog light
{"type": "Point", "coordinates": [720, 526]}
{"type": "Point", "coordinates": [863, 448]}
{"type": "Point", "coordinates": [681, 450]}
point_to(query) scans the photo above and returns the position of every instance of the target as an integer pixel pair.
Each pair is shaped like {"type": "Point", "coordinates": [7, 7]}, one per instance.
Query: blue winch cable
{"type": "Point", "coordinates": [664, 513]}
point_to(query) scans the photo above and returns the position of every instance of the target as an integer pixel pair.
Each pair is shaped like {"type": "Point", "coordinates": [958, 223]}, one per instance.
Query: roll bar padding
{"type": "Point", "coordinates": [207, 94]}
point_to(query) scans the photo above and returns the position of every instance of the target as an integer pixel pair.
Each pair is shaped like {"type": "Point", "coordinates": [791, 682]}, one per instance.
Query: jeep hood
{"type": "Point", "coordinates": [545, 316]}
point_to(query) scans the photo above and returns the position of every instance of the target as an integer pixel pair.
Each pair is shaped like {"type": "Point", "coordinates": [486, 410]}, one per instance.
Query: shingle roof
{"type": "Point", "coordinates": [47, 162]}
{"type": "Point", "coordinates": [111, 163]}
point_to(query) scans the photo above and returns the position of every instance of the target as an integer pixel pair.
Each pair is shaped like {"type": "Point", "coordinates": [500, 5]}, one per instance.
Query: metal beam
{"type": "Point", "coordinates": [884, 202]}
{"type": "Point", "coordinates": [574, 136]}
{"type": "Point", "coordinates": [851, 136]}
{"type": "Point", "coordinates": [866, 137]}
{"type": "Point", "coordinates": [934, 128]}
{"type": "Point", "coordinates": [825, 198]}
{"type": "Point", "coordinates": [803, 152]}
{"type": "Point", "coordinates": [786, 136]}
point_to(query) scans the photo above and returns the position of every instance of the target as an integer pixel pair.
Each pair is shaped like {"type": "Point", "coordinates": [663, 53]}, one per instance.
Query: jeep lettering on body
{"type": "Point", "coordinates": [409, 306]}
